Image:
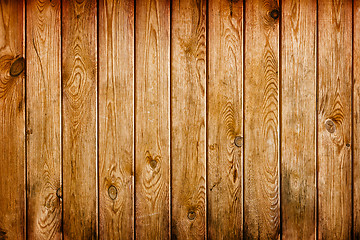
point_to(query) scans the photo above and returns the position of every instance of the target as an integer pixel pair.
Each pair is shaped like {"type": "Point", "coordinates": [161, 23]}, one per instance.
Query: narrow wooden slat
{"type": "Point", "coordinates": [79, 72]}
{"type": "Point", "coordinates": [225, 123]}
{"type": "Point", "coordinates": [116, 87]}
{"type": "Point", "coordinates": [298, 119]}
{"type": "Point", "coordinates": [188, 123]}
{"type": "Point", "coordinates": [334, 119]}
{"type": "Point", "coordinates": [43, 90]}
{"type": "Point", "coordinates": [12, 121]}
{"type": "Point", "coordinates": [261, 200]}
{"type": "Point", "coordinates": [356, 120]}
{"type": "Point", "coordinates": [152, 119]}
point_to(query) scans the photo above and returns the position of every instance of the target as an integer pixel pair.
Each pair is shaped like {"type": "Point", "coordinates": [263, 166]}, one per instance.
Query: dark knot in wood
{"type": "Point", "coordinates": [112, 191]}
{"type": "Point", "coordinates": [17, 67]}
{"type": "Point", "coordinates": [59, 192]}
{"type": "Point", "coordinates": [153, 164]}
{"type": "Point", "coordinates": [191, 215]}
{"type": "Point", "coordinates": [238, 141]}
{"type": "Point", "coordinates": [275, 13]}
{"type": "Point", "coordinates": [330, 126]}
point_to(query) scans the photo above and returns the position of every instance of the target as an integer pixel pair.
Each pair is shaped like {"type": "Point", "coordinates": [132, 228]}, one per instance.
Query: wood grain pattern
{"type": "Point", "coordinates": [225, 122]}
{"type": "Point", "coordinates": [188, 123]}
{"type": "Point", "coordinates": [116, 119]}
{"type": "Point", "coordinates": [334, 119]}
{"type": "Point", "coordinates": [356, 120]}
{"type": "Point", "coordinates": [79, 70]}
{"type": "Point", "coordinates": [298, 146]}
{"type": "Point", "coordinates": [12, 122]}
{"type": "Point", "coordinates": [152, 119]}
{"type": "Point", "coordinates": [261, 200]}
{"type": "Point", "coordinates": [43, 90]}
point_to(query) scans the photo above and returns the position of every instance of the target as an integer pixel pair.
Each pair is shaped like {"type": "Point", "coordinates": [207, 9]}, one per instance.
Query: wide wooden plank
{"type": "Point", "coordinates": [12, 120]}
{"type": "Point", "coordinates": [79, 71]}
{"type": "Point", "coordinates": [225, 120]}
{"type": "Point", "coordinates": [188, 123]}
{"type": "Point", "coordinates": [334, 119]}
{"type": "Point", "coordinates": [356, 120]}
{"type": "Point", "coordinates": [116, 107]}
{"type": "Point", "coordinates": [298, 127]}
{"type": "Point", "coordinates": [261, 153]}
{"type": "Point", "coordinates": [152, 119]}
{"type": "Point", "coordinates": [43, 91]}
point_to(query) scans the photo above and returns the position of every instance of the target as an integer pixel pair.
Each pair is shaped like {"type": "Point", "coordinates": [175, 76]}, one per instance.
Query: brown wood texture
{"type": "Point", "coordinates": [43, 91]}
{"type": "Point", "coordinates": [261, 99]}
{"type": "Point", "coordinates": [334, 119]}
{"type": "Point", "coordinates": [225, 120]}
{"type": "Point", "coordinates": [356, 119]}
{"type": "Point", "coordinates": [298, 125]}
{"type": "Point", "coordinates": [188, 119]}
{"type": "Point", "coordinates": [152, 119]}
{"type": "Point", "coordinates": [79, 74]}
{"type": "Point", "coordinates": [12, 120]}
{"type": "Point", "coordinates": [116, 119]}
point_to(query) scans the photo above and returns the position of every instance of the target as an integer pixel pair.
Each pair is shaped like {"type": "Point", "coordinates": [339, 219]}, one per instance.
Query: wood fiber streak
{"type": "Point", "coordinates": [334, 119]}
{"type": "Point", "coordinates": [152, 119]}
{"type": "Point", "coordinates": [356, 120]}
{"type": "Point", "coordinates": [116, 120]}
{"type": "Point", "coordinates": [298, 119]}
{"type": "Point", "coordinates": [12, 123]}
{"type": "Point", "coordinates": [79, 119]}
{"type": "Point", "coordinates": [43, 119]}
{"type": "Point", "coordinates": [188, 111]}
{"type": "Point", "coordinates": [225, 121]}
{"type": "Point", "coordinates": [261, 200]}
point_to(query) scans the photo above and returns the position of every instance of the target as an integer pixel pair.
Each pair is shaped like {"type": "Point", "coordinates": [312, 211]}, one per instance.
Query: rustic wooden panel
{"type": "Point", "coordinates": [116, 107]}
{"type": "Point", "coordinates": [79, 119]}
{"type": "Point", "coordinates": [356, 120]}
{"type": "Point", "coordinates": [188, 111]}
{"type": "Point", "coordinates": [261, 200]}
{"type": "Point", "coordinates": [298, 128]}
{"type": "Point", "coordinates": [334, 119]}
{"type": "Point", "coordinates": [12, 120]}
{"type": "Point", "coordinates": [152, 119]}
{"type": "Point", "coordinates": [225, 122]}
{"type": "Point", "coordinates": [43, 91]}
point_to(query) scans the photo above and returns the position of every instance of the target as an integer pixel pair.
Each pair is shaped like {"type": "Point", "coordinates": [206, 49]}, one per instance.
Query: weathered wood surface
{"type": "Point", "coordinates": [152, 119]}
{"type": "Point", "coordinates": [43, 91]}
{"type": "Point", "coordinates": [79, 74]}
{"type": "Point", "coordinates": [116, 119]}
{"type": "Point", "coordinates": [225, 120]}
{"type": "Point", "coordinates": [356, 120]}
{"type": "Point", "coordinates": [298, 125]}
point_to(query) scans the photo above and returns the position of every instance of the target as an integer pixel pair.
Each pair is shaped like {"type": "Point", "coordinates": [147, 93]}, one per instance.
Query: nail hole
{"type": "Point", "coordinates": [238, 141]}
{"type": "Point", "coordinates": [330, 126]}
{"type": "Point", "coordinates": [112, 191]}
{"type": "Point", "coordinates": [17, 67]}
{"type": "Point", "coordinates": [191, 215]}
{"type": "Point", "coordinates": [348, 144]}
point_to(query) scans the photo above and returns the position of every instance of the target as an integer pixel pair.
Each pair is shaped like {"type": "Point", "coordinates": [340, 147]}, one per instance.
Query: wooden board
{"type": "Point", "coordinates": [188, 119]}
{"type": "Point", "coordinates": [116, 120]}
{"type": "Point", "coordinates": [12, 120]}
{"type": "Point", "coordinates": [43, 91]}
{"type": "Point", "coordinates": [261, 136]}
{"type": "Point", "coordinates": [334, 119]}
{"type": "Point", "coordinates": [356, 120]}
{"type": "Point", "coordinates": [225, 120]}
{"type": "Point", "coordinates": [79, 71]}
{"type": "Point", "coordinates": [152, 159]}
{"type": "Point", "coordinates": [298, 125]}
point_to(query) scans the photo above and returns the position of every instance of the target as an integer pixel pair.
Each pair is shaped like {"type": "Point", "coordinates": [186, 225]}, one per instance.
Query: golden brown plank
{"type": "Point", "coordinates": [261, 200]}
{"type": "Point", "coordinates": [12, 120]}
{"type": "Point", "coordinates": [79, 69]}
{"type": "Point", "coordinates": [225, 122]}
{"type": "Point", "coordinates": [188, 111]}
{"type": "Point", "coordinates": [356, 120]}
{"type": "Point", "coordinates": [43, 90]}
{"type": "Point", "coordinates": [152, 119]}
{"type": "Point", "coordinates": [116, 89]}
{"type": "Point", "coordinates": [334, 119]}
{"type": "Point", "coordinates": [298, 119]}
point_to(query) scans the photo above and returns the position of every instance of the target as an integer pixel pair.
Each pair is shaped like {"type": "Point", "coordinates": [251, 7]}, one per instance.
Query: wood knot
{"type": "Point", "coordinates": [275, 13]}
{"type": "Point", "coordinates": [153, 164]}
{"type": "Point", "coordinates": [191, 215]}
{"type": "Point", "coordinates": [112, 191]}
{"type": "Point", "coordinates": [330, 126]}
{"type": "Point", "coordinates": [59, 192]}
{"type": "Point", "coordinates": [17, 67]}
{"type": "Point", "coordinates": [238, 141]}
{"type": "Point", "coordinates": [348, 145]}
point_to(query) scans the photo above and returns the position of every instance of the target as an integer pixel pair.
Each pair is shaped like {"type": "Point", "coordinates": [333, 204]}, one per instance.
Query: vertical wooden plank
{"type": "Point", "coordinates": [261, 200]}
{"type": "Point", "coordinates": [43, 90]}
{"type": "Point", "coordinates": [334, 119]}
{"type": "Point", "coordinates": [12, 120]}
{"type": "Point", "coordinates": [116, 87]}
{"type": "Point", "coordinates": [298, 119]}
{"type": "Point", "coordinates": [188, 123]}
{"type": "Point", "coordinates": [152, 119]}
{"type": "Point", "coordinates": [79, 119]}
{"type": "Point", "coordinates": [356, 119]}
{"type": "Point", "coordinates": [225, 123]}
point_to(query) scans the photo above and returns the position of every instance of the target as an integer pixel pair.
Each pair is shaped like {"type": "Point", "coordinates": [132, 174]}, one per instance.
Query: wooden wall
{"type": "Point", "coordinates": [188, 119]}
